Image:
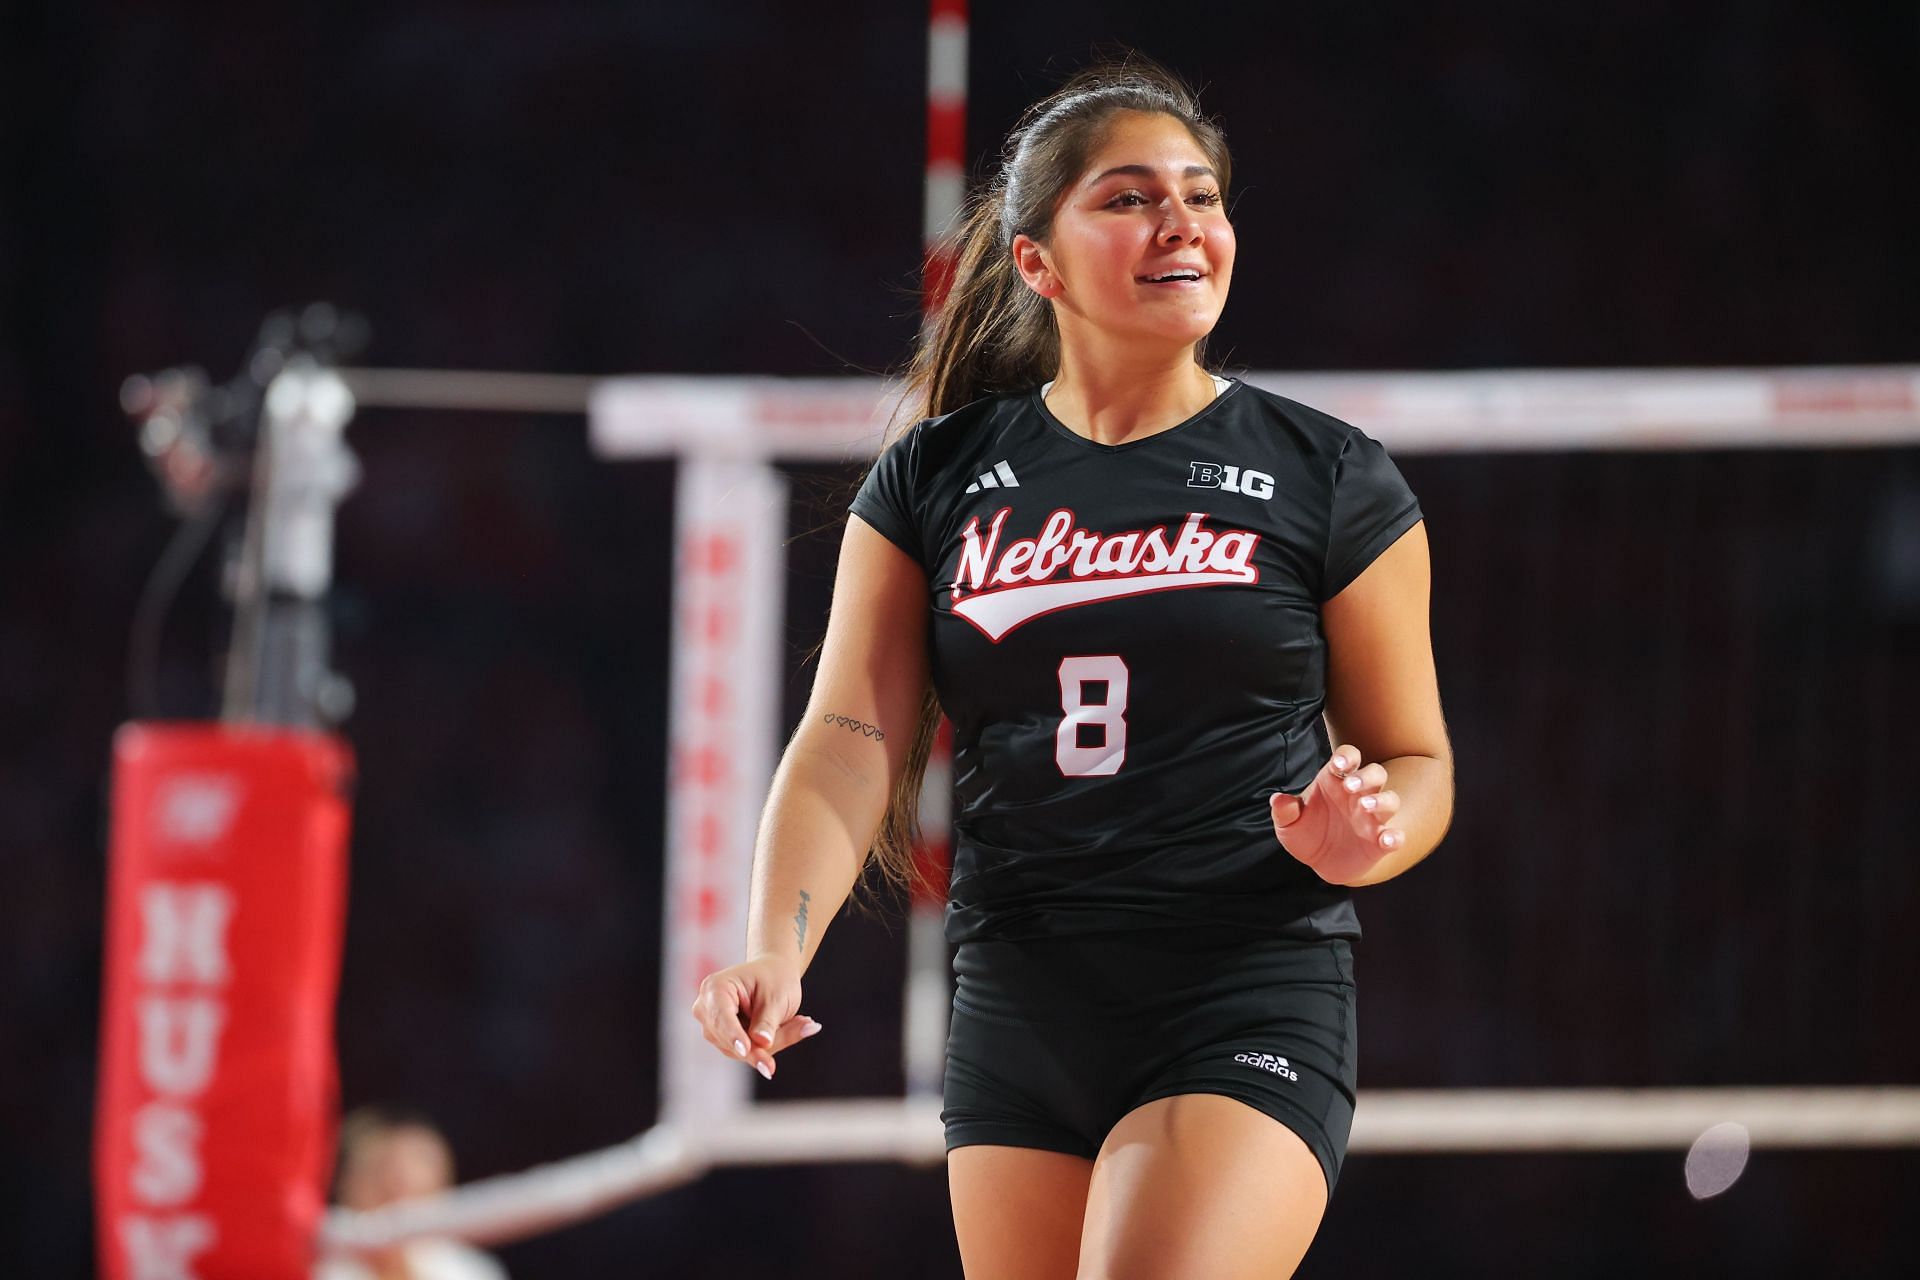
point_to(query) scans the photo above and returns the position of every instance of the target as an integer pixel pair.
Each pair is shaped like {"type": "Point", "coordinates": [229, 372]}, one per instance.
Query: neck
{"type": "Point", "coordinates": [1113, 401]}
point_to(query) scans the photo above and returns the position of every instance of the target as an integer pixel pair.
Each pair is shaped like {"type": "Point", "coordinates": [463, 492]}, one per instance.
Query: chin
{"type": "Point", "coordinates": [1182, 335]}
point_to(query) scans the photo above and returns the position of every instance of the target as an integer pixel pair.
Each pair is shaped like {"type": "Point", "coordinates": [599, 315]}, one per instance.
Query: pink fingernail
{"type": "Point", "coordinates": [811, 1029]}
{"type": "Point", "coordinates": [740, 1048]}
{"type": "Point", "coordinates": [765, 1070]}
{"type": "Point", "coordinates": [1353, 783]}
{"type": "Point", "coordinates": [1368, 802]}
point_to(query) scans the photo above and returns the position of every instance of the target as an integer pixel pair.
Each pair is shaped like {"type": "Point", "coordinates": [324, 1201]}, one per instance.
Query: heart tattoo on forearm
{"type": "Point", "coordinates": [848, 722]}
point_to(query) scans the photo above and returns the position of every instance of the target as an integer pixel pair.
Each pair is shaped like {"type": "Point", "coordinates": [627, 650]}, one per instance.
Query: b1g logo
{"type": "Point", "coordinates": [1218, 475]}
{"type": "Point", "coordinates": [1268, 1062]}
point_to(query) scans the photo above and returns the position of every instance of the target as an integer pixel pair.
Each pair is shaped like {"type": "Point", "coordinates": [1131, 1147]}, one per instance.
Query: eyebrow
{"type": "Point", "coordinates": [1148, 171]}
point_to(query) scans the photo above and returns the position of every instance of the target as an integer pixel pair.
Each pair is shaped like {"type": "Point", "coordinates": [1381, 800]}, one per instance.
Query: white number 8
{"type": "Point", "coordinates": [1105, 721]}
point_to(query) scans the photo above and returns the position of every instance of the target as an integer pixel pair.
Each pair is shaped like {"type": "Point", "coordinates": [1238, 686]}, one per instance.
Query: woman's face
{"type": "Point", "coordinates": [1147, 207]}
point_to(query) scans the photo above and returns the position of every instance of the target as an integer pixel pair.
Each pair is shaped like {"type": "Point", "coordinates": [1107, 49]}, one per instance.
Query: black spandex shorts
{"type": "Point", "coordinates": [1054, 1041]}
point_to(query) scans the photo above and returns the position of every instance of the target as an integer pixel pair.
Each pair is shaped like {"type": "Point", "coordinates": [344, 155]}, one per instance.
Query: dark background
{"type": "Point", "coordinates": [1680, 686]}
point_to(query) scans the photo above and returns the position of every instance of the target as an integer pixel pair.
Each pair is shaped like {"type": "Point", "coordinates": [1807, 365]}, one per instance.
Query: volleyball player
{"type": "Point", "coordinates": [1143, 593]}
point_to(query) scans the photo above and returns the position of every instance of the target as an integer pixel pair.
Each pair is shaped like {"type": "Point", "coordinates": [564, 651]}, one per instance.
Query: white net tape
{"type": "Point", "coordinates": [1428, 1121]}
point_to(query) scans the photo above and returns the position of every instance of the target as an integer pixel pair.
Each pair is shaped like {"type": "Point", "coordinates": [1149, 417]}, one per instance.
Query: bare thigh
{"type": "Point", "coordinates": [1017, 1211]}
{"type": "Point", "coordinates": [1200, 1185]}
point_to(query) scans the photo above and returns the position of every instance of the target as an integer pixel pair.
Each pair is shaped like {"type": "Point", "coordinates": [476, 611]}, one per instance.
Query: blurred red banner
{"type": "Point", "coordinates": [226, 902]}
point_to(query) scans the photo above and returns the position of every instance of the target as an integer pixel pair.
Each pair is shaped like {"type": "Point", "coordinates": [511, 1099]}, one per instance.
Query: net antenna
{"type": "Point", "coordinates": [729, 559]}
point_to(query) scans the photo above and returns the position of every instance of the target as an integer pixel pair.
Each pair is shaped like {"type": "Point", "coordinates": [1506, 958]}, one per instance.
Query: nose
{"type": "Point", "coordinates": [1180, 225]}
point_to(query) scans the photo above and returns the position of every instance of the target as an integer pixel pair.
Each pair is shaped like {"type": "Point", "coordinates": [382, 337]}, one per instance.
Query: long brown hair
{"type": "Point", "coordinates": [993, 334]}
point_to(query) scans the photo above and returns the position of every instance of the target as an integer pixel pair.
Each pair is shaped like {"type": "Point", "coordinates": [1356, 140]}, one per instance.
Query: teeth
{"type": "Point", "coordinates": [1178, 275]}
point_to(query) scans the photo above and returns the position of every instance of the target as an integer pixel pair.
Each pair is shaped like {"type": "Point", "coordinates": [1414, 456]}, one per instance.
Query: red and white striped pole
{"type": "Point", "coordinates": [924, 1035]}
{"type": "Point", "coordinates": [946, 142]}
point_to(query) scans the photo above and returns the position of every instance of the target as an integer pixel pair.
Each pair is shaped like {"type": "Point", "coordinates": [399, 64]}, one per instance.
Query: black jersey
{"type": "Point", "coordinates": [1127, 640]}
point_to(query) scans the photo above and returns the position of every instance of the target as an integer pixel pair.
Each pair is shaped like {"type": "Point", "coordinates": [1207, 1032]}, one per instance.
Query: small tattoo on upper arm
{"type": "Point", "coordinates": [858, 726]}
{"type": "Point", "coordinates": [800, 922]}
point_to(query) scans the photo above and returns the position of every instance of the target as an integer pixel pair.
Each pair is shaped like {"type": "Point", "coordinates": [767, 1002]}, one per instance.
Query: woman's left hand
{"type": "Point", "coordinates": [1339, 826]}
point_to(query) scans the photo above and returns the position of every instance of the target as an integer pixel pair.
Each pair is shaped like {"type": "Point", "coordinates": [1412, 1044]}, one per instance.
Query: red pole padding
{"type": "Point", "coordinates": [226, 904]}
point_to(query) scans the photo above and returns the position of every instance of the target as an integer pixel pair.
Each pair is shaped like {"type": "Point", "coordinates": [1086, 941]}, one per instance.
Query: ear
{"type": "Point", "coordinates": [1035, 265]}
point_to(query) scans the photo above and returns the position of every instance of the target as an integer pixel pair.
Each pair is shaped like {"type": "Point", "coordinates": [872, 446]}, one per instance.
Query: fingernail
{"type": "Point", "coordinates": [1352, 783]}
{"type": "Point", "coordinates": [1339, 762]}
{"type": "Point", "coordinates": [740, 1048]}
{"type": "Point", "coordinates": [1368, 802]}
{"type": "Point", "coordinates": [811, 1029]}
{"type": "Point", "coordinates": [1391, 840]}
{"type": "Point", "coordinates": [765, 1070]}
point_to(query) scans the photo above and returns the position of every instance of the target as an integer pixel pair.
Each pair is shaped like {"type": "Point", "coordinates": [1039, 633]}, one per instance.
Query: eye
{"type": "Point", "coordinates": [1130, 199]}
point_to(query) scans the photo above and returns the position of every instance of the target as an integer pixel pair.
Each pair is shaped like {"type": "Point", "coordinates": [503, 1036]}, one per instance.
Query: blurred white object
{"type": "Point", "coordinates": [426, 1260]}
{"type": "Point", "coordinates": [1717, 1159]}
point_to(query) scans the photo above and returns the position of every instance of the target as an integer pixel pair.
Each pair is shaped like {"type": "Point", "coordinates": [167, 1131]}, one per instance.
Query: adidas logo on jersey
{"type": "Point", "coordinates": [1001, 477]}
{"type": "Point", "coordinates": [1268, 1062]}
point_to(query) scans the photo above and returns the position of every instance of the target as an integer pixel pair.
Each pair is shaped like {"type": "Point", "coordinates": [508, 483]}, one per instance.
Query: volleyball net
{"type": "Point", "coordinates": [731, 437]}
{"type": "Point", "coordinates": [733, 442]}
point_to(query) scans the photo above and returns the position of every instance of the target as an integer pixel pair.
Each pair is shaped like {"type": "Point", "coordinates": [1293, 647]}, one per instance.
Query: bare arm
{"type": "Point", "coordinates": [1361, 823]}
{"type": "Point", "coordinates": [830, 791]}
{"type": "Point", "coordinates": [1383, 697]}
{"type": "Point", "coordinates": [819, 821]}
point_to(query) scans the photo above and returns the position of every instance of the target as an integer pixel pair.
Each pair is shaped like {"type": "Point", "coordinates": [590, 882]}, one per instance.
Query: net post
{"type": "Point", "coordinates": [723, 703]}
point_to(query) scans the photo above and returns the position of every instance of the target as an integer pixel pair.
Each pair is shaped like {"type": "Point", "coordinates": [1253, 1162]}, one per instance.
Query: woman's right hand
{"type": "Point", "coordinates": [750, 1011]}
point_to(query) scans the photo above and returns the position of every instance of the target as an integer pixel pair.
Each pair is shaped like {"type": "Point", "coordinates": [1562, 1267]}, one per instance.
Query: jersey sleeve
{"type": "Point", "coordinates": [1372, 507]}
{"type": "Point", "coordinates": [886, 496]}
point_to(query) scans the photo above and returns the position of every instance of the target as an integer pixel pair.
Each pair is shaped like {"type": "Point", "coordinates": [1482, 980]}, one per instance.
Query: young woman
{"type": "Point", "coordinates": [1143, 594]}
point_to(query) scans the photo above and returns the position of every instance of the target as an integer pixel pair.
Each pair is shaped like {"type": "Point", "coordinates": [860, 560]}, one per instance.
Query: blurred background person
{"type": "Point", "coordinates": [390, 1154]}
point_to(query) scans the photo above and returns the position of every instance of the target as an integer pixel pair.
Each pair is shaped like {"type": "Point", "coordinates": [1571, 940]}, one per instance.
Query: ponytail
{"type": "Point", "coordinates": [991, 333]}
